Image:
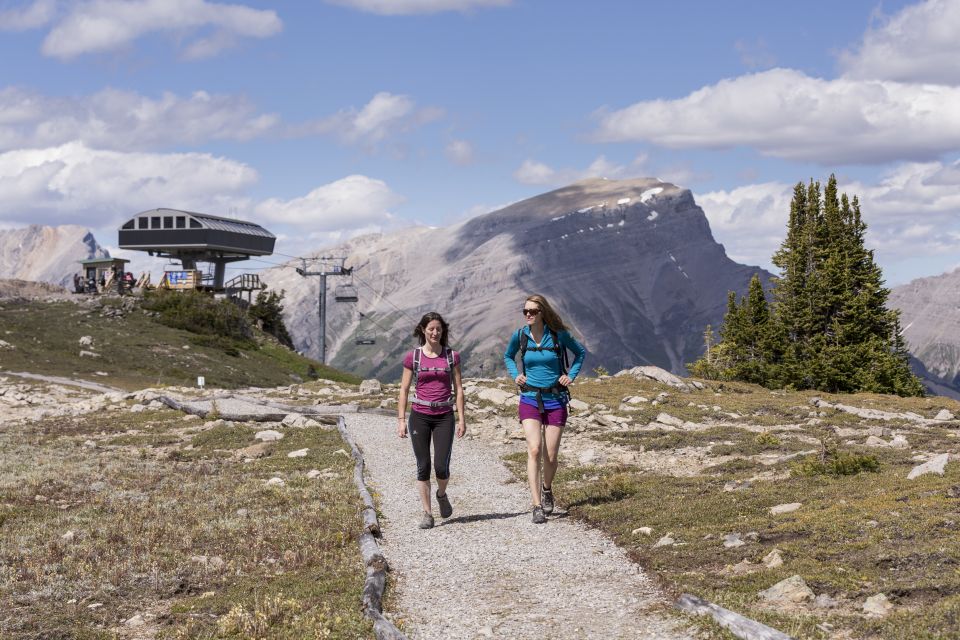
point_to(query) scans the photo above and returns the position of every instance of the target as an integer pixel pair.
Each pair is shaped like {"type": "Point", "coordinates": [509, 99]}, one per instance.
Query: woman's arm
{"type": "Point", "coordinates": [461, 401]}
{"type": "Point", "coordinates": [579, 352]}
{"type": "Point", "coordinates": [509, 357]}
{"type": "Point", "coordinates": [402, 402]}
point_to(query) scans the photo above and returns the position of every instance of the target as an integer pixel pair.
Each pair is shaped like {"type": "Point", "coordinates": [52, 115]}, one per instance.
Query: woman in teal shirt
{"type": "Point", "coordinates": [543, 380]}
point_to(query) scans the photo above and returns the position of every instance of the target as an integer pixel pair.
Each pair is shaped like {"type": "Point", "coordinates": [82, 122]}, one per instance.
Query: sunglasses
{"type": "Point", "coordinates": [531, 312]}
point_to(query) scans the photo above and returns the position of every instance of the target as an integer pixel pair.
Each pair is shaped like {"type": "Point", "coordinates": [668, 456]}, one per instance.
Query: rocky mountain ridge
{"type": "Point", "coordinates": [631, 265]}
{"type": "Point", "coordinates": [930, 315]}
{"type": "Point", "coordinates": [46, 254]}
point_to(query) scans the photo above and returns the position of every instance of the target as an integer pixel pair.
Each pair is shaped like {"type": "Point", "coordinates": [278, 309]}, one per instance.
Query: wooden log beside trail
{"type": "Point", "coordinates": [738, 625]}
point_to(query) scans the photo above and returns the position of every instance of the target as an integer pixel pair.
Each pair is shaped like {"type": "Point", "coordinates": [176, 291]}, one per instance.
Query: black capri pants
{"type": "Point", "coordinates": [422, 428]}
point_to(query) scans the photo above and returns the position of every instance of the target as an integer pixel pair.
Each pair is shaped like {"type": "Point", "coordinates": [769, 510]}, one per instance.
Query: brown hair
{"type": "Point", "coordinates": [550, 317]}
{"type": "Point", "coordinates": [419, 332]}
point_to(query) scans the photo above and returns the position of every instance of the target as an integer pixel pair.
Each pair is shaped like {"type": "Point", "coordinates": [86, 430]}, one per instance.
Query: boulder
{"type": "Point", "coordinates": [666, 418]}
{"type": "Point", "coordinates": [934, 465]}
{"type": "Point", "coordinates": [785, 508]}
{"type": "Point", "coordinates": [496, 396]}
{"type": "Point", "coordinates": [944, 415]}
{"type": "Point", "coordinates": [299, 453]}
{"type": "Point", "coordinates": [268, 435]}
{"type": "Point", "coordinates": [877, 606]}
{"type": "Point", "coordinates": [773, 559]}
{"type": "Point", "coordinates": [578, 405]}
{"type": "Point", "coordinates": [793, 590]}
{"type": "Point", "coordinates": [370, 387]}
{"type": "Point", "coordinates": [86, 341]}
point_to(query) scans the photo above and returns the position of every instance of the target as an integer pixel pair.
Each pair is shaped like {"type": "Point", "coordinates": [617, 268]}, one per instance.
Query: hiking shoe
{"type": "Point", "coordinates": [546, 499]}
{"type": "Point", "coordinates": [426, 521]}
{"type": "Point", "coordinates": [538, 517]}
{"type": "Point", "coordinates": [446, 509]}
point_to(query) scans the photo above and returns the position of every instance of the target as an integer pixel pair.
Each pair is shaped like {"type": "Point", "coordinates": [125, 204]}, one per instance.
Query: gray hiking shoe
{"type": "Point", "coordinates": [546, 499]}
{"type": "Point", "coordinates": [446, 509]}
{"type": "Point", "coordinates": [538, 517]}
{"type": "Point", "coordinates": [426, 521]}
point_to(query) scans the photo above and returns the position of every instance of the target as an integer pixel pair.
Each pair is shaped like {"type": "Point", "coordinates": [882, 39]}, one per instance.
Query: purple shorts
{"type": "Point", "coordinates": [557, 417]}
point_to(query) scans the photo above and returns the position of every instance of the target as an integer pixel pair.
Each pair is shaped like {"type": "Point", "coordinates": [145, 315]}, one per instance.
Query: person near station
{"type": "Point", "coordinates": [543, 378]}
{"type": "Point", "coordinates": [434, 370]}
{"type": "Point", "coordinates": [78, 283]}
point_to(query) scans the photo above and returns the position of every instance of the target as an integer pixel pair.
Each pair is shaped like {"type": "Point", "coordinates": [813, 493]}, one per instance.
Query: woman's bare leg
{"type": "Point", "coordinates": [551, 453]}
{"type": "Point", "coordinates": [531, 429]}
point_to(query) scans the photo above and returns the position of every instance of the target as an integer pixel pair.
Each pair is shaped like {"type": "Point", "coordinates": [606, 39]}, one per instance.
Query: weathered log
{"type": "Point", "coordinates": [373, 588]}
{"type": "Point", "coordinates": [738, 625]}
{"type": "Point", "coordinates": [370, 522]}
{"type": "Point", "coordinates": [383, 629]}
{"type": "Point", "coordinates": [370, 551]}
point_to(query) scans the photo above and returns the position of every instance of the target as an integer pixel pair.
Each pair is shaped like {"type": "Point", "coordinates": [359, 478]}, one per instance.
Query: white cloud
{"type": "Point", "coordinates": [409, 7]}
{"type": "Point", "coordinates": [914, 210]}
{"type": "Point", "coordinates": [349, 203]}
{"type": "Point", "coordinates": [385, 115]}
{"type": "Point", "coordinates": [75, 184]}
{"type": "Point", "coordinates": [100, 26]}
{"type": "Point", "coordinates": [459, 152]}
{"type": "Point", "coordinates": [788, 114]}
{"type": "Point", "coordinates": [113, 119]}
{"type": "Point", "coordinates": [537, 173]}
{"type": "Point", "coordinates": [34, 15]}
{"type": "Point", "coordinates": [918, 44]}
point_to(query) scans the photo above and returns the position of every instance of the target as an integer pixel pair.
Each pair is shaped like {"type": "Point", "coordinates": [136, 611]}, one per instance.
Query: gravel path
{"type": "Point", "coordinates": [489, 571]}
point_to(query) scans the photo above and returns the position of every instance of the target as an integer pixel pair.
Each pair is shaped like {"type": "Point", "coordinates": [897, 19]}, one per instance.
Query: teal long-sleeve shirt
{"type": "Point", "coordinates": [543, 367]}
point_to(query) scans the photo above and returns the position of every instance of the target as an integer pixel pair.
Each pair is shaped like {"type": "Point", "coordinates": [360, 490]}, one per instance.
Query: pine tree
{"type": "Point", "coordinates": [828, 327]}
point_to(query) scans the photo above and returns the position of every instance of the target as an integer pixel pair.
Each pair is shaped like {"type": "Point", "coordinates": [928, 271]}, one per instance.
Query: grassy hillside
{"type": "Point", "coordinates": [133, 350]}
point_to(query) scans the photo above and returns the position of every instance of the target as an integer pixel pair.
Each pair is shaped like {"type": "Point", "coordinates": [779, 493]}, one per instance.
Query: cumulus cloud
{"type": "Point", "coordinates": [410, 7]}
{"type": "Point", "coordinates": [912, 210]}
{"type": "Point", "coordinates": [351, 202]}
{"type": "Point", "coordinates": [100, 26]}
{"type": "Point", "coordinates": [787, 114]}
{"type": "Point", "coordinates": [537, 173]}
{"type": "Point", "coordinates": [918, 44]}
{"type": "Point", "coordinates": [75, 184]}
{"type": "Point", "coordinates": [460, 152]}
{"type": "Point", "coordinates": [386, 114]}
{"type": "Point", "coordinates": [35, 14]}
{"type": "Point", "coordinates": [113, 119]}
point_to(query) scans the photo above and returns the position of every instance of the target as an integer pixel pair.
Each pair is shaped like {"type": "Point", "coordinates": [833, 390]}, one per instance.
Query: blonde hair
{"type": "Point", "coordinates": [550, 317]}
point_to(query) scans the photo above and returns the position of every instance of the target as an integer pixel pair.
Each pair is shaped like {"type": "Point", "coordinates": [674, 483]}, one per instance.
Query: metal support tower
{"type": "Point", "coordinates": [329, 266]}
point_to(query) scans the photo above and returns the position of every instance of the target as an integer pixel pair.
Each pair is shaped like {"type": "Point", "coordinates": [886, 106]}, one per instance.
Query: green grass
{"type": "Point", "coordinates": [863, 528]}
{"type": "Point", "coordinates": [136, 351]}
{"type": "Point", "coordinates": [155, 497]}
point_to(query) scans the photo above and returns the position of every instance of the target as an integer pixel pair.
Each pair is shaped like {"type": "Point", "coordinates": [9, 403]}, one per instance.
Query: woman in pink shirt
{"type": "Point", "coordinates": [435, 371]}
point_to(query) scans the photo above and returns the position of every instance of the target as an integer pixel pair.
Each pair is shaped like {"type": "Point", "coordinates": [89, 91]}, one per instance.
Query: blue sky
{"type": "Point", "coordinates": [322, 120]}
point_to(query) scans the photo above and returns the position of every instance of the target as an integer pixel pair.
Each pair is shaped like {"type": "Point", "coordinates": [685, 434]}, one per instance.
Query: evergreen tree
{"type": "Point", "coordinates": [828, 327]}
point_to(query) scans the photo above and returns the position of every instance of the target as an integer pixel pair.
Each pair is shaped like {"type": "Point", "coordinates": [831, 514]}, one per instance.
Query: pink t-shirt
{"type": "Point", "coordinates": [433, 386]}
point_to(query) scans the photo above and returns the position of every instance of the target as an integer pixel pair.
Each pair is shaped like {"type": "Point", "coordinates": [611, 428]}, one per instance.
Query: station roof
{"type": "Point", "coordinates": [177, 231]}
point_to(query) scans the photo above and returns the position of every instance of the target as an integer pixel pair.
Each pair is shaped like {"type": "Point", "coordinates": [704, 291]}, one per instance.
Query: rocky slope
{"type": "Point", "coordinates": [46, 254]}
{"type": "Point", "coordinates": [930, 314]}
{"type": "Point", "coordinates": [631, 265]}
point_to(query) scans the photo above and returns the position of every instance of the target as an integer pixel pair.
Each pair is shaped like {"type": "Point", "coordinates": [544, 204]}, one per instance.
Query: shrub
{"type": "Point", "coordinates": [837, 463]}
{"type": "Point", "coordinates": [200, 313]}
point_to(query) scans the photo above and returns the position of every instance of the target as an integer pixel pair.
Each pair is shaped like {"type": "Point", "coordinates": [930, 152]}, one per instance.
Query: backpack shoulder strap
{"type": "Point", "coordinates": [416, 365]}
{"type": "Point", "coordinates": [561, 351]}
{"type": "Point", "coordinates": [523, 337]}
